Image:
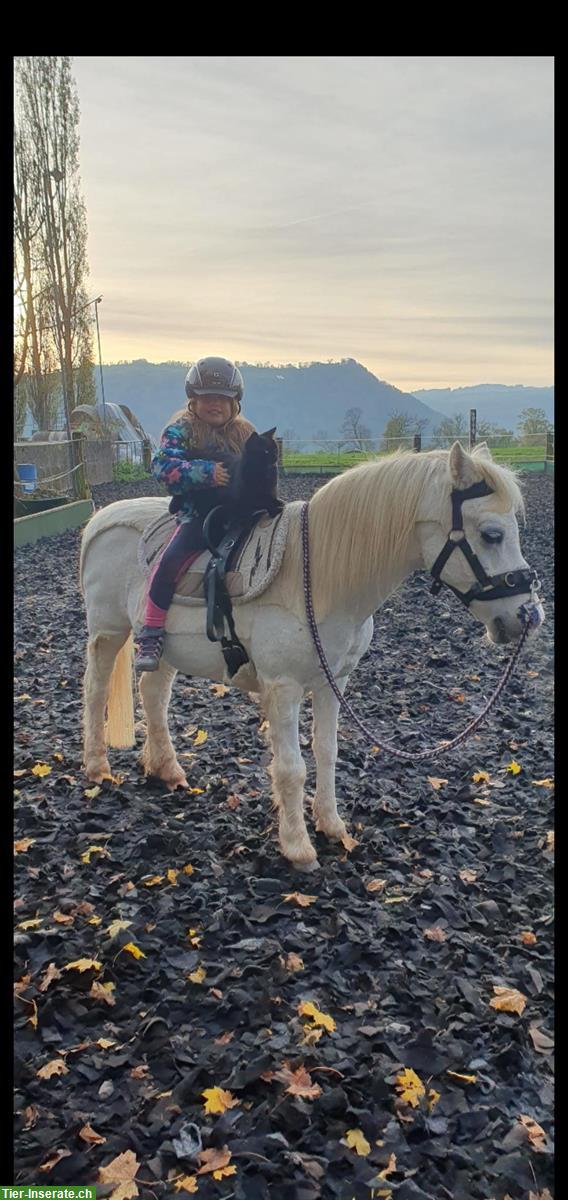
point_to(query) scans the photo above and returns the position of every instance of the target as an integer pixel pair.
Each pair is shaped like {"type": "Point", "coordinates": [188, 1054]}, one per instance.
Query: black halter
{"type": "Point", "coordinates": [488, 587]}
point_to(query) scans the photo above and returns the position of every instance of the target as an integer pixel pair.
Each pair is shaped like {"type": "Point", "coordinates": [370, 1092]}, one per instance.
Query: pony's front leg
{"type": "Point", "coordinates": [281, 702]}
{"type": "Point", "coordinates": [158, 754]}
{"type": "Point", "coordinates": [324, 744]}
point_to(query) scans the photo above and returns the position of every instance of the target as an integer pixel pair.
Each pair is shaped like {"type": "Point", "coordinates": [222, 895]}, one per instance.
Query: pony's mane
{"type": "Point", "coordinates": [379, 501]}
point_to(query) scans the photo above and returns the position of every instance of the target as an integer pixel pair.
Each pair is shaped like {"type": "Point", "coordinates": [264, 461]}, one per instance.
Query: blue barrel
{"type": "Point", "coordinates": [28, 474]}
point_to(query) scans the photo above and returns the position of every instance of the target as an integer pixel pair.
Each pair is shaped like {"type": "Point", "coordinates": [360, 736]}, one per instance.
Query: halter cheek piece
{"type": "Point", "coordinates": [488, 587]}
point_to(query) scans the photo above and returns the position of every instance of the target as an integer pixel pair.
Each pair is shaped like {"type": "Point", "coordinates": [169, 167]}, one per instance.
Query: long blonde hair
{"type": "Point", "coordinates": [229, 437]}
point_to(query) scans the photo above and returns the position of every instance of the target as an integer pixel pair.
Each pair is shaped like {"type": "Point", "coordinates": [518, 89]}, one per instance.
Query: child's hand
{"type": "Point", "coordinates": [220, 475]}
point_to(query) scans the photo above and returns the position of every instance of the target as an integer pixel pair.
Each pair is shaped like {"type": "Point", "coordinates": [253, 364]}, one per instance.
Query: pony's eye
{"type": "Point", "coordinates": [492, 536]}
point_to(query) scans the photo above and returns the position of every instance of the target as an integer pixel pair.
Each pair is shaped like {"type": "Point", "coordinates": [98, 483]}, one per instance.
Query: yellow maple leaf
{"type": "Point", "coordinates": [298, 898]}
{"type": "Point", "coordinates": [172, 875]}
{"type": "Point", "coordinates": [94, 921]}
{"type": "Point", "coordinates": [217, 1100]}
{"type": "Point", "coordinates": [200, 737]}
{"type": "Point", "coordinates": [153, 881]}
{"type": "Point", "coordinates": [410, 1087]}
{"type": "Point", "coordinates": [481, 777]}
{"type": "Point", "coordinates": [41, 769]}
{"type": "Point", "coordinates": [93, 792]}
{"type": "Point", "coordinates": [356, 1140]}
{"type": "Point", "coordinates": [307, 1009]}
{"type": "Point", "coordinates": [86, 856]}
{"type": "Point", "coordinates": [30, 924]}
{"type": "Point", "coordinates": [121, 1171]}
{"type": "Point", "coordinates": [22, 845]}
{"type": "Point", "coordinates": [222, 1171]}
{"type": "Point", "coordinates": [198, 975]}
{"type": "Point", "coordinates": [186, 1182]}
{"type": "Point", "coordinates": [513, 767]}
{"type": "Point", "coordinates": [188, 869]}
{"type": "Point", "coordinates": [466, 1078]}
{"type": "Point", "coordinates": [195, 791]}
{"type": "Point", "coordinates": [508, 1000]}
{"type": "Point", "coordinates": [134, 950]}
{"type": "Point", "coordinates": [83, 964]}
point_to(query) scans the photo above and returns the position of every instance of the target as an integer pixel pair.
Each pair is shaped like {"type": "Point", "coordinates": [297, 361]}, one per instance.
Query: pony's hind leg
{"type": "Point", "coordinates": [102, 650]}
{"type": "Point", "coordinates": [281, 702]}
{"type": "Point", "coordinates": [324, 742]}
{"type": "Point", "coordinates": [158, 755]}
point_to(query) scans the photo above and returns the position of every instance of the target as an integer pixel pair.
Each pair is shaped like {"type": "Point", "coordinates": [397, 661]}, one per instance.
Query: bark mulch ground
{"type": "Point", "coordinates": [157, 955]}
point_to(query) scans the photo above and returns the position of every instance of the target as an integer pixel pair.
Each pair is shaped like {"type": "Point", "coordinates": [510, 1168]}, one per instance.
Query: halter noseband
{"type": "Point", "coordinates": [488, 587]}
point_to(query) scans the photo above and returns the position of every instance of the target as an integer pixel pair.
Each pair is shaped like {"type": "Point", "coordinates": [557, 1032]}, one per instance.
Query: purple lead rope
{"type": "Point", "coordinates": [442, 747]}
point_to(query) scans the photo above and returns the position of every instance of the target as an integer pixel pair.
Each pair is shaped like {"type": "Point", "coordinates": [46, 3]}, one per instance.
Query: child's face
{"type": "Point", "coordinates": [214, 410]}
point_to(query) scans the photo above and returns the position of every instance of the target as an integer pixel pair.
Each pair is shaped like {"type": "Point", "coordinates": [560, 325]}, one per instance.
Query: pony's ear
{"type": "Point", "coordinates": [461, 468]}
{"type": "Point", "coordinates": [482, 451]}
{"type": "Point", "coordinates": [269, 432]}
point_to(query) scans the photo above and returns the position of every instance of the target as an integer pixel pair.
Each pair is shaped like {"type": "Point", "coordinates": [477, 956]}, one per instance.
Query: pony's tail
{"type": "Point", "coordinates": [120, 707]}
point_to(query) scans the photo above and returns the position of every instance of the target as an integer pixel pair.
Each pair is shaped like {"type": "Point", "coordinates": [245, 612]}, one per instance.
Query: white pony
{"type": "Point", "coordinates": [369, 529]}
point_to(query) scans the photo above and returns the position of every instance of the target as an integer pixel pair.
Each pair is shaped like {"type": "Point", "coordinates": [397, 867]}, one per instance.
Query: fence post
{"type": "Point", "coordinates": [146, 455]}
{"type": "Point", "coordinates": [80, 486]}
{"type": "Point", "coordinates": [472, 427]}
{"type": "Point", "coordinates": [550, 446]}
{"type": "Point", "coordinates": [279, 444]}
{"type": "Point", "coordinates": [417, 442]}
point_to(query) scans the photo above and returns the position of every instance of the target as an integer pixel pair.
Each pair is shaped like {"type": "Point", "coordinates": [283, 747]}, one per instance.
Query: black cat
{"type": "Point", "coordinates": [253, 480]}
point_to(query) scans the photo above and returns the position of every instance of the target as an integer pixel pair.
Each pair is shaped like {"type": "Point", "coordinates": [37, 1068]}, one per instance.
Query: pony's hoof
{"type": "Point", "coordinates": [175, 780]}
{"type": "Point", "coordinates": [97, 771]}
{"type": "Point", "coordinates": [335, 830]}
{"type": "Point", "coordinates": [306, 867]}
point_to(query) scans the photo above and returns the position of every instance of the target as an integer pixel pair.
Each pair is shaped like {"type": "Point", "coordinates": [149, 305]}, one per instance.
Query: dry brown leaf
{"type": "Point", "coordinates": [390, 1167]}
{"type": "Point", "coordinates": [217, 1100]}
{"type": "Point", "coordinates": [140, 1072]}
{"type": "Point", "coordinates": [62, 918]}
{"type": "Point", "coordinates": [187, 1183]}
{"type": "Point", "coordinates": [550, 840]}
{"type": "Point", "coordinates": [467, 875]}
{"type": "Point", "coordinates": [481, 777]}
{"type": "Point", "coordinates": [376, 885]}
{"type": "Point", "coordinates": [122, 1171]}
{"type": "Point", "coordinates": [31, 1114]}
{"type": "Point", "coordinates": [51, 974]}
{"type": "Point", "coordinates": [56, 1158]}
{"type": "Point", "coordinates": [299, 1082]}
{"type": "Point", "coordinates": [545, 1195]}
{"type": "Point", "coordinates": [198, 975]}
{"type": "Point", "coordinates": [436, 783]}
{"type": "Point", "coordinates": [528, 938]}
{"type": "Point", "coordinates": [298, 898]}
{"type": "Point", "coordinates": [219, 689]}
{"type": "Point", "coordinates": [349, 843]}
{"type": "Point", "coordinates": [435, 934]}
{"type": "Point", "coordinates": [171, 875]}
{"type": "Point", "coordinates": [22, 845]}
{"type": "Point", "coordinates": [508, 1000]}
{"type": "Point", "coordinates": [103, 991]}
{"type": "Point", "coordinates": [233, 801]}
{"type": "Point", "coordinates": [293, 962]}
{"type": "Point", "coordinates": [225, 1038]}
{"type": "Point", "coordinates": [33, 924]}
{"type": "Point", "coordinates": [213, 1160]}
{"type": "Point", "coordinates": [55, 1067]}
{"type": "Point", "coordinates": [536, 1134]}
{"type": "Point", "coordinates": [21, 984]}
{"type": "Point", "coordinates": [87, 1134]}
{"type": "Point", "coordinates": [545, 783]}
{"type": "Point", "coordinates": [464, 1078]}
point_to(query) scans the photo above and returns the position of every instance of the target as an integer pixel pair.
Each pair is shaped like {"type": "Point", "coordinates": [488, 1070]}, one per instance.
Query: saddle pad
{"type": "Point", "coordinates": [253, 564]}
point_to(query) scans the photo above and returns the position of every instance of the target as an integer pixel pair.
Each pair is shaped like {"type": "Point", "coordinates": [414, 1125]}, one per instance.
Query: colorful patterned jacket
{"type": "Point", "coordinates": [176, 465]}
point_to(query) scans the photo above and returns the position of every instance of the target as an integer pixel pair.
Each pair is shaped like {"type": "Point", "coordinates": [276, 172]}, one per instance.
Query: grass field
{"type": "Point", "coordinates": [320, 460]}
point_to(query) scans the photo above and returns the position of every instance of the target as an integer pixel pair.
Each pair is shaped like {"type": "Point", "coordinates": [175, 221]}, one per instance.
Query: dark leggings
{"type": "Point", "coordinates": [186, 544]}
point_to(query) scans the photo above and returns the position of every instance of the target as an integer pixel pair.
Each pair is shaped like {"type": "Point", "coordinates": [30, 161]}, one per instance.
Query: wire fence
{"type": "Point", "coordinates": [335, 455]}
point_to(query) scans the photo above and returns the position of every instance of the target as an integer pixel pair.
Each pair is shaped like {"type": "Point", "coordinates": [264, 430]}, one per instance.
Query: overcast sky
{"type": "Point", "coordinates": [394, 210]}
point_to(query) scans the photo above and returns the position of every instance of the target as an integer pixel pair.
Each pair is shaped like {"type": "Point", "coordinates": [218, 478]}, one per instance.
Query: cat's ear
{"type": "Point", "coordinates": [269, 432]}
{"type": "Point", "coordinates": [254, 437]}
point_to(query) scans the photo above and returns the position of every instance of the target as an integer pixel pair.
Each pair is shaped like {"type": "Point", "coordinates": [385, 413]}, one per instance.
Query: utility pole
{"type": "Point", "coordinates": [96, 304]}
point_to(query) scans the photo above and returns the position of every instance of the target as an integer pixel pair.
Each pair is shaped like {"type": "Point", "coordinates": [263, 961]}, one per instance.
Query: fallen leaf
{"type": "Point", "coordinates": [395, 899]}
{"type": "Point", "coordinates": [233, 801]}
{"type": "Point", "coordinates": [466, 1078]}
{"type": "Point", "coordinates": [481, 777]}
{"type": "Point", "coordinates": [376, 885]}
{"type": "Point", "coordinates": [63, 918]}
{"type": "Point", "coordinates": [87, 1134]}
{"type": "Point", "coordinates": [22, 845]}
{"type": "Point", "coordinates": [51, 974]}
{"type": "Point", "coordinates": [32, 924]}
{"type": "Point", "coordinates": [459, 697]}
{"type": "Point", "coordinates": [140, 1072]}
{"type": "Point", "coordinates": [187, 1183]}
{"type": "Point", "coordinates": [194, 937]}
{"type": "Point", "coordinates": [528, 938]}
{"type": "Point", "coordinates": [299, 1082]}
{"type": "Point", "coordinates": [84, 964]}
{"type": "Point", "coordinates": [307, 1009]}
{"type": "Point", "coordinates": [435, 934]}
{"type": "Point", "coordinates": [172, 876]}
{"type": "Point", "coordinates": [545, 783]}
{"type": "Point", "coordinates": [121, 1170]}
{"type": "Point", "coordinates": [541, 1041]}
{"type": "Point", "coordinates": [55, 1067]}
{"type": "Point", "coordinates": [200, 737]}
{"type": "Point", "coordinates": [105, 1043]}
{"type": "Point", "coordinates": [134, 950]}
{"type": "Point", "coordinates": [299, 899]}
{"type": "Point", "coordinates": [86, 856]}
{"type": "Point", "coordinates": [225, 1038]}
{"type": "Point", "coordinates": [513, 767]}
{"type": "Point", "coordinates": [103, 991]}
{"type": "Point", "coordinates": [432, 1100]}
{"type": "Point", "coordinates": [188, 869]}
{"type": "Point", "coordinates": [390, 1167]}
{"type": "Point", "coordinates": [22, 771]}
{"type": "Point", "coordinates": [153, 881]}
{"type": "Point", "coordinates": [217, 1100]}
{"type": "Point", "coordinates": [41, 769]}
{"type": "Point", "coordinates": [550, 840]}
{"type": "Point", "coordinates": [93, 792]}
{"type": "Point", "coordinates": [116, 926]}
{"type": "Point", "coordinates": [222, 1171]}
{"type": "Point", "coordinates": [31, 1114]}
{"type": "Point", "coordinates": [349, 843]}
{"type": "Point", "coordinates": [410, 1087]}
{"type": "Point", "coordinates": [481, 800]}
{"type": "Point", "coordinates": [293, 962]}
{"type": "Point", "coordinates": [467, 875]}
{"type": "Point", "coordinates": [52, 1162]}
{"type": "Point", "coordinates": [508, 1000]}
{"type": "Point", "coordinates": [198, 975]}
{"type": "Point", "coordinates": [356, 1140]}
{"type": "Point", "coordinates": [57, 756]}
{"type": "Point", "coordinates": [436, 783]}
{"type": "Point", "coordinates": [311, 1036]}
{"type": "Point", "coordinates": [219, 689]}
{"type": "Point", "coordinates": [536, 1134]}
{"type": "Point", "coordinates": [213, 1160]}
{"type": "Point", "coordinates": [21, 984]}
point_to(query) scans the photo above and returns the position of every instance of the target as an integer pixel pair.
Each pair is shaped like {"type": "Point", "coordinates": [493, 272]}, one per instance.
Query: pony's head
{"type": "Point", "coordinates": [467, 530]}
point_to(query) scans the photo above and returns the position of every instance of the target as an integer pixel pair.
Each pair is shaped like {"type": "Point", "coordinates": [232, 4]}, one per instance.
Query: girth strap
{"type": "Point", "coordinates": [219, 606]}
